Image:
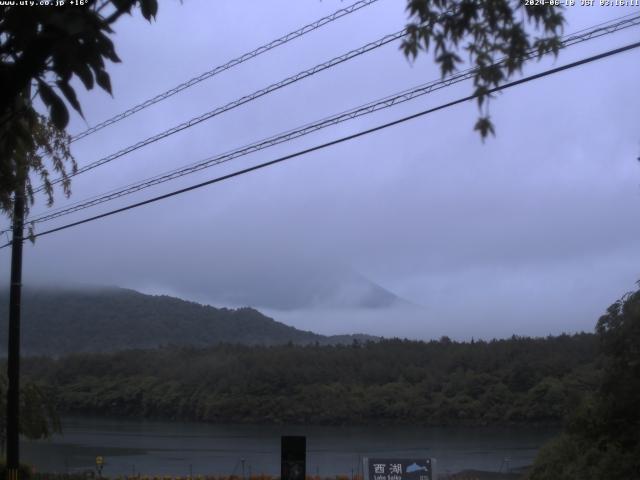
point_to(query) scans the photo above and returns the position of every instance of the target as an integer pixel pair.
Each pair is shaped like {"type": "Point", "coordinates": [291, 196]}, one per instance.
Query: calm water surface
{"type": "Point", "coordinates": [148, 447]}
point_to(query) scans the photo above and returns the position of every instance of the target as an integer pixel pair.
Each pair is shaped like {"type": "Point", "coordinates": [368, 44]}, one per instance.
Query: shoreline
{"type": "Point", "coordinates": [368, 423]}
{"type": "Point", "coordinates": [518, 474]}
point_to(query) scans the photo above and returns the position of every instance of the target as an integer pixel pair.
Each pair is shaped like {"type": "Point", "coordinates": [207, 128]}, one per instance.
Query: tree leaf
{"type": "Point", "coordinates": [485, 127]}
{"type": "Point", "coordinates": [102, 79]}
{"type": "Point", "coordinates": [107, 49]}
{"type": "Point", "coordinates": [57, 109]}
{"type": "Point", "coordinates": [149, 8]}
{"type": "Point", "coordinates": [84, 74]}
{"type": "Point", "coordinates": [70, 95]}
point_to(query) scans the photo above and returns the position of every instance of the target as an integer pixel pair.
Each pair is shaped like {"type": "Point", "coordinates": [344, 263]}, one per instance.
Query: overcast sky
{"type": "Point", "coordinates": [419, 230]}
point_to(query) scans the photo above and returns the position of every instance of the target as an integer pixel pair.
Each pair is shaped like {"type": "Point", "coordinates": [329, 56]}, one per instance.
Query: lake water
{"type": "Point", "coordinates": [176, 448]}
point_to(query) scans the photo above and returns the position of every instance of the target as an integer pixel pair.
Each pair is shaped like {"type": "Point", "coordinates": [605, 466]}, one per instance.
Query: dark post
{"type": "Point", "coordinates": [13, 361]}
{"type": "Point", "coordinates": [293, 458]}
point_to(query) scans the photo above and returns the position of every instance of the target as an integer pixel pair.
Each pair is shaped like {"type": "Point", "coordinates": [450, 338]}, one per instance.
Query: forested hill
{"type": "Point", "coordinates": [519, 380]}
{"type": "Point", "coordinates": [59, 321]}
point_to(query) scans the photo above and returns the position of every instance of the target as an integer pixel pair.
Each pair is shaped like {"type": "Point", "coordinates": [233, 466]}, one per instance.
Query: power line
{"type": "Point", "coordinates": [251, 148]}
{"type": "Point", "coordinates": [342, 139]}
{"type": "Point", "coordinates": [381, 104]}
{"type": "Point", "coordinates": [194, 121]}
{"type": "Point", "coordinates": [236, 103]}
{"type": "Point", "coordinates": [230, 64]}
{"type": "Point", "coordinates": [599, 30]}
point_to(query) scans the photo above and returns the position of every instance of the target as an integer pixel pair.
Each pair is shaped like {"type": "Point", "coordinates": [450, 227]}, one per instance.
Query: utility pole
{"type": "Point", "coordinates": [13, 361]}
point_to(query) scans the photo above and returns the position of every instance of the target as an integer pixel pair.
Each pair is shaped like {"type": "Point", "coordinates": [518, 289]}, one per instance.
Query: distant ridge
{"type": "Point", "coordinates": [56, 321]}
{"type": "Point", "coordinates": [302, 287]}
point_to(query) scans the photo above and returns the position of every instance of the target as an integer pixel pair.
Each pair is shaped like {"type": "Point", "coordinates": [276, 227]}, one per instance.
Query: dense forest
{"type": "Point", "coordinates": [59, 321]}
{"type": "Point", "coordinates": [601, 438]}
{"type": "Point", "coordinates": [519, 380]}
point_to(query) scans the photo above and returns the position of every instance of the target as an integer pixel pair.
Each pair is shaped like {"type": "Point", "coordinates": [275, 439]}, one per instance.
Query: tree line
{"type": "Point", "coordinates": [512, 381]}
{"type": "Point", "coordinates": [601, 438]}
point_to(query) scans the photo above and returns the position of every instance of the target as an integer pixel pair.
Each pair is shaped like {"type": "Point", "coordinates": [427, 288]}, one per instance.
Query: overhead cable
{"type": "Point", "coordinates": [226, 66]}
{"type": "Point", "coordinates": [340, 140]}
{"type": "Point", "coordinates": [236, 103]}
{"type": "Point", "coordinates": [360, 111]}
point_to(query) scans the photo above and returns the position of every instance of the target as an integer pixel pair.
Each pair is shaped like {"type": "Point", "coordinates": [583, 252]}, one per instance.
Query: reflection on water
{"type": "Point", "coordinates": [176, 448]}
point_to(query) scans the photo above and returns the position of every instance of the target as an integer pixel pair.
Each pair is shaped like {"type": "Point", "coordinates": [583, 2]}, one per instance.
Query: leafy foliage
{"type": "Point", "coordinates": [519, 380]}
{"type": "Point", "coordinates": [48, 147]}
{"type": "Point", "coordinates": [571, 456]}
{"type": "Point", "coordinates": [45, 49]}
{"type": "Point", "coordinates": [601, 439]}
{"type": "Point", "coordinates": [494, 34]}
{"type": "Point", "coordinates": [38, 416]}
